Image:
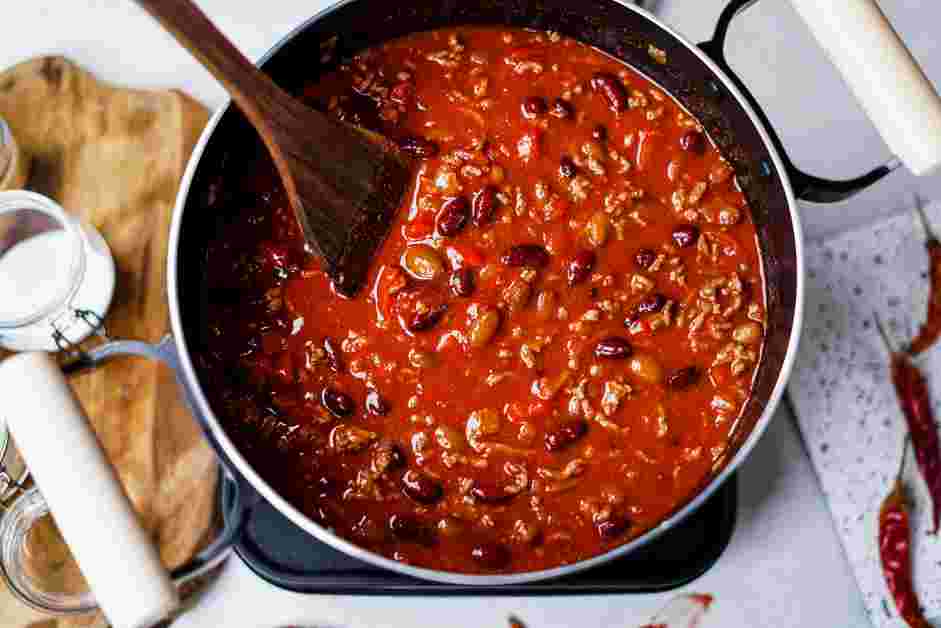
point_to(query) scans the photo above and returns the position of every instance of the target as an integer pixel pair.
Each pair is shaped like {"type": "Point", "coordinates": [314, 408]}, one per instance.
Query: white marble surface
{"type": "Point", "coordinates": [784, 566]}
{"type": "Point", "coordinates": [843, 364]}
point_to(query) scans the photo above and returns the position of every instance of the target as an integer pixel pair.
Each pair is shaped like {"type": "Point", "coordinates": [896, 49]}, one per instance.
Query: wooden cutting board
{"type": "Point", "coordinates": [116, 156]}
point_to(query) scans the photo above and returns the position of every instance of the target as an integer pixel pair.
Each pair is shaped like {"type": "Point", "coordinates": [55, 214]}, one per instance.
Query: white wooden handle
{"type": "Point", "coordinates": [83, 492]}
{"type": "Point", "coordinates": [882, 74]}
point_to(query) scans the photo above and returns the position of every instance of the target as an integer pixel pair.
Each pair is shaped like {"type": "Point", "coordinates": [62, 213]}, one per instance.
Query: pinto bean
{"type": "Point", "coordinates": [483, 327]}
{"type": "Point", "coordinates": [546, 303]}
{"type": "Point", "coordinates": [597, 229]}
{"type": "Point", "coordinates": [422, 262]}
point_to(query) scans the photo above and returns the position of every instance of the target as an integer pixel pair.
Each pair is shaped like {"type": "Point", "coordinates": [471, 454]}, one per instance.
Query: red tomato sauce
{"type": "Point", "coordinates": [560, 330]}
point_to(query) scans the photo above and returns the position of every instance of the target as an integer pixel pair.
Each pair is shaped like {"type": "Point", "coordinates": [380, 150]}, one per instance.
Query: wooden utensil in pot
{"type": "Point", "coordinates": [344, 182]}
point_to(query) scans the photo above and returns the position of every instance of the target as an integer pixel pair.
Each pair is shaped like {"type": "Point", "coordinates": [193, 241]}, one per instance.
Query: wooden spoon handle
{"type": "Point", "coordinates": [248, 86]}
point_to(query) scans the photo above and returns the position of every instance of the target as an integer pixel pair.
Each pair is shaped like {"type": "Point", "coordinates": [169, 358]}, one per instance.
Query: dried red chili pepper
{"type": "Point", "coordinates": [931, 329]}
{"type": "Point", "coordinates": [912, 392]}
{"type": "Point", "coordinates": [895, 538]}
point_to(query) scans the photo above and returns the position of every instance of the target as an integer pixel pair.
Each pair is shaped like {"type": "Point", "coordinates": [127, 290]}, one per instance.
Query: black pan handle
{"type": "Point", "coordinates": [807, 187]}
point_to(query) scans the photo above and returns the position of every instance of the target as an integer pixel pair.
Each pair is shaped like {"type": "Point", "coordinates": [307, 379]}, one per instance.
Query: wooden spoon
{"type": "Point", "coordinates": [344, 182]}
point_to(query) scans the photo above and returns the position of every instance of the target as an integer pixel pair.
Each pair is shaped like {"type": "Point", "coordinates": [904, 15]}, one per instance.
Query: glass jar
{"type": "Point", "coordinates": [56, 275]}
{"type": "Point", "coordinates": [14, 164]}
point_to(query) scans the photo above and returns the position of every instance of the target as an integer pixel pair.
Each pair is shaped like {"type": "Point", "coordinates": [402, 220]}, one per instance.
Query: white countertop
{"type": "Point", "coordinates": [784, 566]}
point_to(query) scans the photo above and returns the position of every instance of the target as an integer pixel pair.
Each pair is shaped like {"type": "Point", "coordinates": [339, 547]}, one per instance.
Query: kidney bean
{"type": "Point", "coordinates": [613, 347]}
{"type": "Point", "coordinates": [409, 528]}
{"type": "Point", "coordinates": [376, 404]}
{"type": "Point", "coordinates": [491, 555]}
{"type": "Point", "coordinates": [534, 106]}
{"type": "Point", "coordinates": [567, 168]}
{"type": "Point", "coordinates": [644, 258]}
{"type": "Point", "coordinates": [611, 88]}
{"type": "Point", "coordinates": [337, 402]}
{"type": "Point", "coordinates": [693, 142]}
{"type": "Point", "coordinates": [651, 303]}
{"type": "Point", "coordinates": [485, 205]}
{"type": "Point", "coordinates": [532, 255]}
{"type": "Point", "coordinates": [600, 133]}
{"type": "Point", "coordinates": [490, 493]}
{"type": "Point", "coordinates": [388, 456]}
{"type": "Point", "coordinates": [419, 308]}
{"type": "Point", "coordinates": [562, 109]}
{"type": "Point", "coordinates": [685, 235]}
{"type": "Point", "coordinates": [565, 434]}
{"type": "Point", "coordinates": [462, 282]}
{"type": "Point", "coordinates": [418, 147]}
{"type": "Point", "coordinates": [613, 527]}
{"type": "Point", "coordinates": [580, 267]}
{"type": "Point", "coordinates": [453, 216]}
{"type": "Point", "coordinates": [421, 488]}
{"type": "Point", "coordinates": [683, 378]}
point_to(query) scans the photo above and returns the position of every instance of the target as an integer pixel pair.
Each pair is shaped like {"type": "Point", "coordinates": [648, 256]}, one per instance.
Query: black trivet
{"type": "Point", "coordinates": [287, 557]}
